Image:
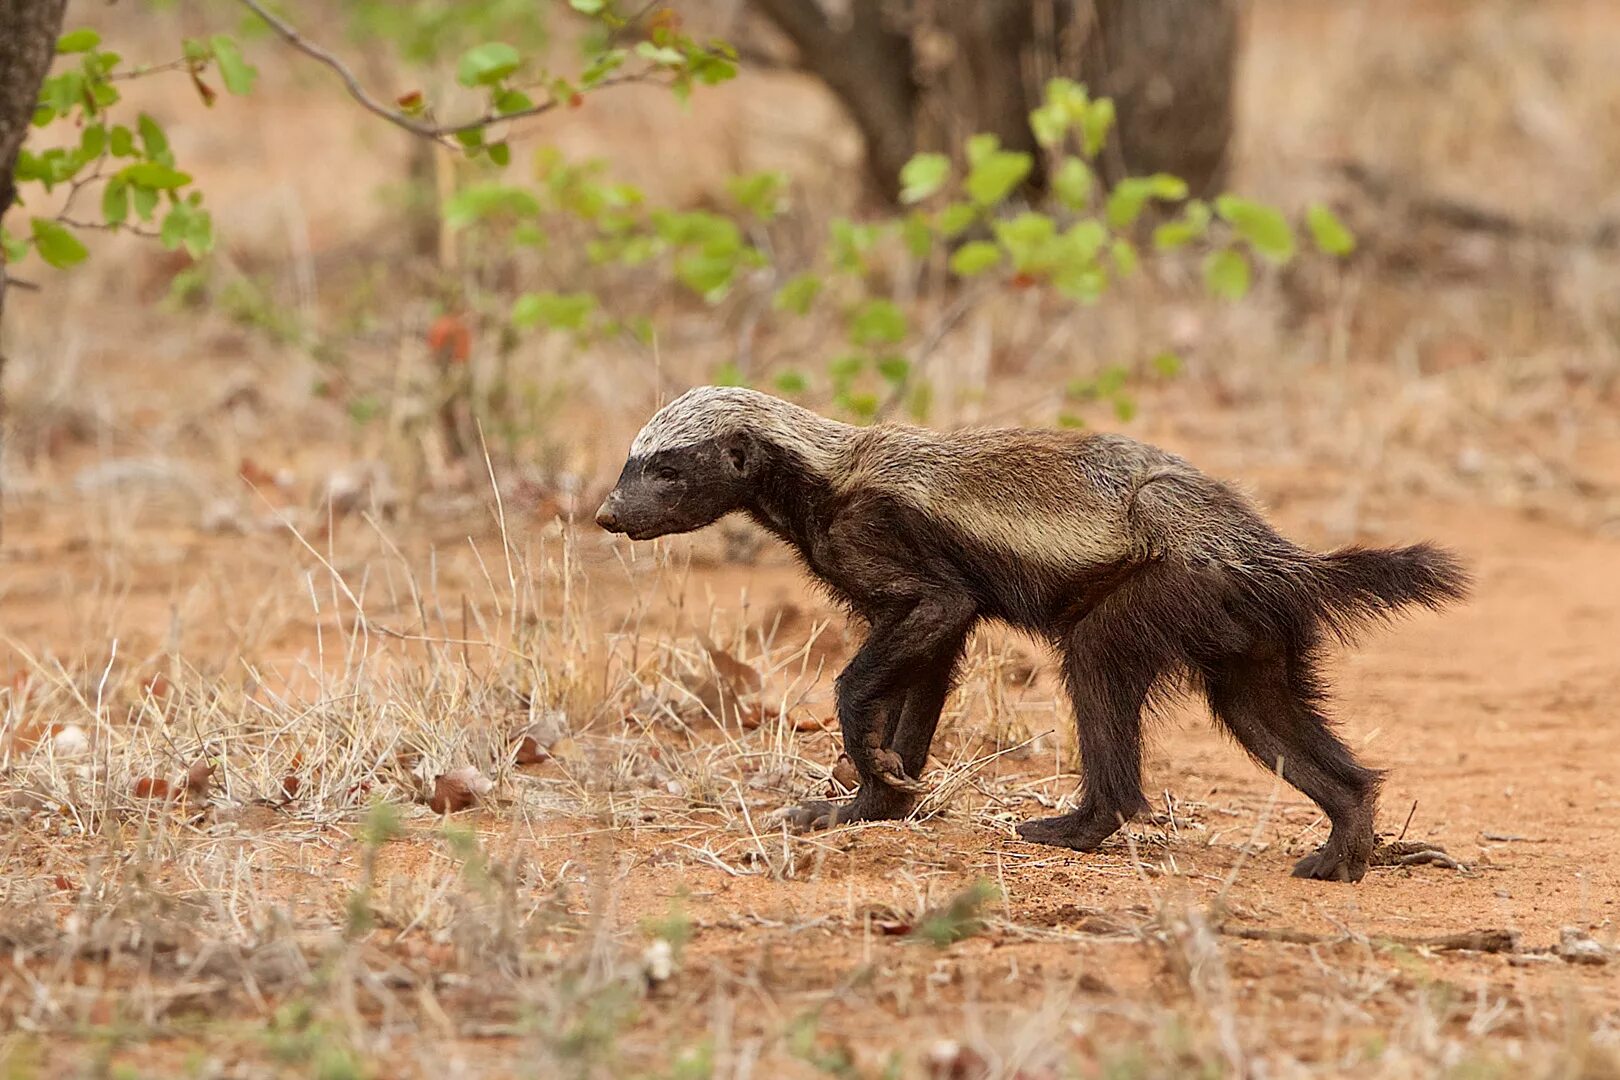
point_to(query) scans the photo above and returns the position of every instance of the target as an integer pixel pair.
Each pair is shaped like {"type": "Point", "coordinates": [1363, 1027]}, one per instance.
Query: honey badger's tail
{"type": "Point", "coordinates": [1357, 585]}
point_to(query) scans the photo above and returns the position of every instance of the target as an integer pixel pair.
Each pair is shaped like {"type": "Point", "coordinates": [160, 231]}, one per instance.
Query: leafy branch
{"type": "Point", "coordinates": [488, 66]}
{"type": "Point", "coordinates": [145, 179]}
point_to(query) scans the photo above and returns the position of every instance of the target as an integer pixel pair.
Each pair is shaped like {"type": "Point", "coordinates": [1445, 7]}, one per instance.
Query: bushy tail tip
{"type": "Point", "coordinates": [1360, 584]}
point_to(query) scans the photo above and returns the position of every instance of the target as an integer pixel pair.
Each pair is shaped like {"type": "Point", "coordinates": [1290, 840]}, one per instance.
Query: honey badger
{"type": "Point", "coordinates": [1142, 572]}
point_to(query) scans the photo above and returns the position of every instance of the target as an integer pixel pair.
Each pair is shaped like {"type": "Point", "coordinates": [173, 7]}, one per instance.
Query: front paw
{"type": "Point", "coordinates": [817, 814]}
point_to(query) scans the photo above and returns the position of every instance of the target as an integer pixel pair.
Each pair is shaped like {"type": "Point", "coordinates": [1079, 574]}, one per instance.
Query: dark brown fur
{"type": "Point", "coordinates": [1200, 592]}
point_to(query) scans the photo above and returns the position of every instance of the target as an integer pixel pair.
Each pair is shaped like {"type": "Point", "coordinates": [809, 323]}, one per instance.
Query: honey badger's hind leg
{"type": "Point", "coordinates": [1111, 658]}
{"type": "Point", "coordinates": [1269, 699]}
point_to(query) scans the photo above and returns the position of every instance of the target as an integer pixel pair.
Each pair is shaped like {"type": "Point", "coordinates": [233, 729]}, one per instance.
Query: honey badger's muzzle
{"type": "Point", "coordinates": [678, 489]}
{"type": "Point", "coordinates": [607, 515]}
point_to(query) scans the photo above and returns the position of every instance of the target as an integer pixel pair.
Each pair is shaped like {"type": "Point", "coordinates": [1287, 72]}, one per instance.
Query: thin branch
{"type": "Point", "coordinates": [107, 226]}
{"type": "Point", "coordinates": [437, 132]}
{"type": "Point", "coordinates": [181, 64]}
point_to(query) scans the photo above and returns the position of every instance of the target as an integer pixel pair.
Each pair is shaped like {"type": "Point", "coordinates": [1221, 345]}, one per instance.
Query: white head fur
{"type": "Point", "coordinates": [709, 412]}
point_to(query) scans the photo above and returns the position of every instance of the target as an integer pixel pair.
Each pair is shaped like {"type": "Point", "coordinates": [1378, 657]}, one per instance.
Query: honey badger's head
{"type": "Point", "coordinates": [695, 462]}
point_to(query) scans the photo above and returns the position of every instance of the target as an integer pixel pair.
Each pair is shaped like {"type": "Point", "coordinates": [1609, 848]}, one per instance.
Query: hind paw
{"type": "Point", "coordinates": [1331, 862]}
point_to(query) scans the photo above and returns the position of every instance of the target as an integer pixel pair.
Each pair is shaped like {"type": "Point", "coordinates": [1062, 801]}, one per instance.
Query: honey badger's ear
{"type": "Point", "coordinates": [741, 452]}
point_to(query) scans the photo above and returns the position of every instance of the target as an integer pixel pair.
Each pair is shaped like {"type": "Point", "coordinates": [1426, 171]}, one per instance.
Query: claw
{"type": "Point", "coordinates": [901, 782]}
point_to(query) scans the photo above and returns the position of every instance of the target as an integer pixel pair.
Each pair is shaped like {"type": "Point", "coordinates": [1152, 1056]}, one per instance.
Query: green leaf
{"type": "Point", "coordinates": [511, 101]}
{"type": "Point", "coordinates": [975, 258]}
{"type": "Point", "coordinates": [1265, 229]}
{"type": "Point", "coordinates": [923, 175]}
{"type": "Point", "coordinates": [175, 226]}
{"type": "Point", "coordinates": [145, 201]}
{"type": "Point", "coordinates": [843, 369]}
{"type": "Point", "coordinates": [152, 137]}
{"type": "Point", "coordinates": [862, 405]}
{"type": "Point", "coordinates": [152, 174]}
{"type": "Point", "coordinates": [798, 294]}
{"type": "Point", "coordinates": [791, 382]}
{"type": "Point", "coordinates": [121, 141]}
{"type": "Point", "coordinates": [995, 175]}
{"type": "Point", "coordinates": [479, 202]}
{"type": "Point", "coordinates": [1192, 225]}
{"type": "Point", "coordinates": [1028, 238]}
{"type": "Point", "coordinates": [1073, 183]}
{"type": "Point", "coordinates": [707, 273]}
{"type": "Point", "coordinates": [92, 141]}
{"type": "Point", "coordinates": [57, 245]}
{"type": "Point", "coordinates": [12, 248]}
{"type": "Point", "coordinates": [1050, 123]}
{"type": "Point", "coordinates": [1329, 233]}
{"type": "Point", "coordinates": [78, 41]}
{"type": "Point", "coordinates": [1131, 195]}
{"type": "Point", "coordinates": [1095, 123]}
{"type": "Point", "coordinates": [660, 54]}
{"type": "Point", "coordinates": [954, 220]}
{"type": "Point", "coordinates": [115, 201]}
{"type": "Point", "coordinates": [894, 369]}
{"type": "Point", "coordinates": [239, 75]}
{"type": "Point", "coordinates": [558, 311]}
{"type": "Point", "coordinates": [500, 154]}
{"type": "Point", "coordinates": [1167, 364]}
{"type": "Point", "coordinates": [1226, 274]}
{"type": "Point", "coordinates": [487, 64]}
{"type": "Point", "coordinates": [199, 239]}
{"type": "Point", "coordinates": [587, 7]}
{"type": "Point", "coordinates": [1125, 257]}
{"type": "Point", "coordinates": [877, 322]}
{"type": "Point", "coordinates": [919, 238]}
{"type": "Point", "coordinates": [759, 193]}
{"type": "Point", "coordinates": [980, 147]}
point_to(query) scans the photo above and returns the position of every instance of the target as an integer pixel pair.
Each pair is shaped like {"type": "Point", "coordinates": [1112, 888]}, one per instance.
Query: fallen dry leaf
{"type": "Point", "coordinates": [529, 752]}
{"type": "Point", "coordinates": [458, 789]}
{"type": "Point", "coordinates": [844, 773]}
{"type": "Point", "coordinates": [535, 742]}
{"type": "Point", "coordinates": [152, 787]}
{"type": "Point", "coordinates": [199, 778]}
{"type": "Point", "coordinates": [809, 722]}
{"type": "Point", "coordinates": [742, 679]}
{"type": "Point", "coordinates": [290, 786]}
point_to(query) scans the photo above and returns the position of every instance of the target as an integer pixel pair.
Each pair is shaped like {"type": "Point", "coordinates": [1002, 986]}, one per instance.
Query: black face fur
{"type": "Point", "coordinates": [681, 489]}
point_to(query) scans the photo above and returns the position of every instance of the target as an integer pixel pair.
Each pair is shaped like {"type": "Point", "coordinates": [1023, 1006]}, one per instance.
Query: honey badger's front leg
{"type": "Point", "coordinates": [889, 700]}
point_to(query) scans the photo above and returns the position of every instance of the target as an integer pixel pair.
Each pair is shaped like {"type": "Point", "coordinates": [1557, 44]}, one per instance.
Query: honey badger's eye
{"type": "Point", "coordinates": [664, 472]}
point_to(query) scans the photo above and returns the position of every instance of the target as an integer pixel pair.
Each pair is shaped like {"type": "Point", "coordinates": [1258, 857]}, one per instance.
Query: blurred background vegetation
{"type": "Point", "coordinates": [1045, 212]}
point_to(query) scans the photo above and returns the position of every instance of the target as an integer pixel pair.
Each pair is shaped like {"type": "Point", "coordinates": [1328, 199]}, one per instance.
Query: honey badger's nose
{"type": "Point", "coordinates": [606, 518]}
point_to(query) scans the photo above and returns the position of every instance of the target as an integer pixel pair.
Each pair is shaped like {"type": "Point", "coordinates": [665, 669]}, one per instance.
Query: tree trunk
{"type": "Point", "coordinates": [922, 74]}
{"type": "Point", "coordinates": [865, 59]}
{"type": "Point", "coordinates": [1170, 66]}
{"type": "Point", "coordinates": [28, 33]}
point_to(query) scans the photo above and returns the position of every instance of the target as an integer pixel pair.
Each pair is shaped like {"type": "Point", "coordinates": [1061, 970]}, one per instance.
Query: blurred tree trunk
{"type": "Point", "coordinates": [921, 74]}
{"type": "Point", "coordinates": [28, 33]}
{"type": "Point", "coordinates": [866, 60]}
{"type": "Point", "coordinates": [1171, 68]}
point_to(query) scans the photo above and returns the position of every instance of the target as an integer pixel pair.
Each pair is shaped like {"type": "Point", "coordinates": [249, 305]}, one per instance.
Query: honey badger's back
{"type": "Point", "coordinates": [1049, 521]}
{"type": "Point", "coordinates": [1066, 500]}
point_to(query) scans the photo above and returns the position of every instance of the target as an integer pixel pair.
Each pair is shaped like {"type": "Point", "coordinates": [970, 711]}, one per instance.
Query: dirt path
{"type": "Point", "coordinates": [1184, 942]}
